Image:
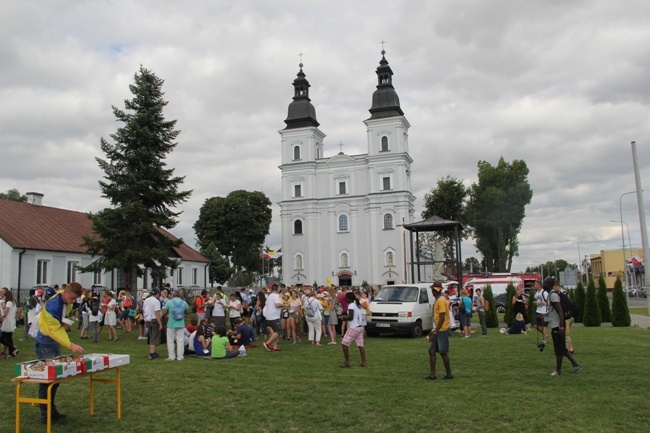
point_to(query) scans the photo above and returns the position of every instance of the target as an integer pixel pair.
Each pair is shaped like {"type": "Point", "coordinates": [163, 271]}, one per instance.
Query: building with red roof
{"type": "Point", "coordinates": [41, 245]}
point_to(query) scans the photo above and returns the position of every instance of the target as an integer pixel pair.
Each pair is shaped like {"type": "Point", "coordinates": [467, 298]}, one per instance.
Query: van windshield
{"type": "Point", "coordinates": [397, 294]}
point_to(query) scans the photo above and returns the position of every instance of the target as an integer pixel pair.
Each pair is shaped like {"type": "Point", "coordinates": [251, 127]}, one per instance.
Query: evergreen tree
{"type": "Point", "coordinates": [592, 312]}
{"type": "Point", "coordinates": [620, 311]}
{"type": "Point", "coordinates": [491, 318]}
{"type": "Point", "coordinates": [141, 189]}
{"type": "Point", "coordinates": [579, 297]}
{"type": "Point", "coordinates": [532, 308]}
{"type": "Point", "coordinates": [603, 300]}
{"type": "Point", "coordinates": [509, 314]}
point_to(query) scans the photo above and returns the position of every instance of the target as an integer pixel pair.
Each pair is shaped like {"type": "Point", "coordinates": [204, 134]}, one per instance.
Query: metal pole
{"type": "Point", "coordinates": [642, 223]}
{"type": "Point", "coordinates": [620, 207]}
{"type": "Point", "coordinates": [579, 257]}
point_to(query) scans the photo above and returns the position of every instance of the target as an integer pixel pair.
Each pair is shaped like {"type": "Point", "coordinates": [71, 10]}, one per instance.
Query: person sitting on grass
{"type": "Point", "coordinates": [518, 326]}
{"type": "Point", "coordinates": [221, 348]}
{"type": "Point", "coordinates": [201, 342]}
{"type": "Point", "coordinates": [241, 335]}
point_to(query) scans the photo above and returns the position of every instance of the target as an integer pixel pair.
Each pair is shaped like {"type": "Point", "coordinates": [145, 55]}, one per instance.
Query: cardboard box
{"type": "Point", "coordinates": [56, 370]}
{"type": "Point", "coordinates": [118, 360]}
{"type": "Point", "coordinates": [96, 362]}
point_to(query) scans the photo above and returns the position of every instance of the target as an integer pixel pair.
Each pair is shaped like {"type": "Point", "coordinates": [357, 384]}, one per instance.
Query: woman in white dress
{"type": "Point", "coordinates": [111, 317]}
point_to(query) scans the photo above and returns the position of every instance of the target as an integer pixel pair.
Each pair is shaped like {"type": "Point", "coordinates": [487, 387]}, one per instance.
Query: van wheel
{"type": "Point", "coordinates": [417, 330]}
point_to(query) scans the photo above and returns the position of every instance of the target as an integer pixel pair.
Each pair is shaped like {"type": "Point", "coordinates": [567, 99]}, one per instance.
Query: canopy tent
{"type": "Point", "coordinates": [435, 224]}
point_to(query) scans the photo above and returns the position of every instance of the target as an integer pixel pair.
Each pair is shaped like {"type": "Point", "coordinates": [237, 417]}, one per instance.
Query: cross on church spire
{"type": "Point", "coordinates": [382, 47]}
{"type": "Point", "coordinates": [341, 146]}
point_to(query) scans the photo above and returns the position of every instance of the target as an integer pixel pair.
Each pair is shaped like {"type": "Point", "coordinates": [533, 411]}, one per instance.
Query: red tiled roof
{"type": "Point", "coordinates": [24, 225]}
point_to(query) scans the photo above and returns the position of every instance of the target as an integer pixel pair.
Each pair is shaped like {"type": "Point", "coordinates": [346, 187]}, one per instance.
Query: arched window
{"type": "Point", "coordinates": [297, 227]}
{"type": "Point", "coordinates": [298, 261]}
{"type": "Point", "coordinates": [384, 144]}
{"type": "Point", "coordinates": [343, 223]}
{"type": "Point", "coordinates": [388, 221]}
{"type": "Point", "coordinates": [344, 260]}
{"type": "Point", "coordinates": [390, 259]}
{"type": "Point", "coordinates": [296, 152]}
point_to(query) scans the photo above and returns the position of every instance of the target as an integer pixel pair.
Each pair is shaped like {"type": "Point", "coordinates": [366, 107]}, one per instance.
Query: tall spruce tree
{"type": "Point", "coordinates": [603, 300]}
{"type": "Point", "coordinates": [491, 318]}
{"type": "Point", "coordinates": [141, 189]}
{"type": "Point", "coordinates": [592, 312]}
{"type": "Point", "coordinates": [509, 314]}
{"type": "Point", "coordinates": [620, 310]}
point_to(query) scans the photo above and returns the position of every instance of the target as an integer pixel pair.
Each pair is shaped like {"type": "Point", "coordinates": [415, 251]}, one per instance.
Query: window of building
{"type": "Point", "coordinates": [343, 187]}
{"type": "Point", "coordinates": [343, 223]}
{"type": "Point", "coordinates": [195, 276]}
{"type": "Point", "coordinates": [41, 271]}
{"type": "Point", "coordinates": [297, 190]}
{"type": "Point", "coordinates": [385, 183]}
{"type": "Point", "coordinates": [297, 227]}
{"type": "Point", "coordinates": [72, 271]}
{"type": "Point", "coordinates": [344, 260]}
{"type": "Point", "coordinates": [388, 222]}
{"type": "Point", "coordinates": [296, 153]}
{"type": "Point", "coordinates": [97, 278]}
{"type": "Point", "coordinates": [179, 276]}
{"type": "Point", "coordinates": [384, 144]}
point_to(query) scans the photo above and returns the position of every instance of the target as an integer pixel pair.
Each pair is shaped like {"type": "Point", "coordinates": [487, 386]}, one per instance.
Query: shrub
{"type": "Point", "coordinates": [580, 299]}
{"type": "Point", "coordinates": [620, 310]}
{"type": "Point", "coordinates": [491, 318]}
{"type": "Point", "coordinates": [532, 308]}
{"type": "Point", "coordinates": [591, 316]}
{"type": "Point", "coordinates": [603, 300]}
{"type": "Point", "coordinates": [509, 314]}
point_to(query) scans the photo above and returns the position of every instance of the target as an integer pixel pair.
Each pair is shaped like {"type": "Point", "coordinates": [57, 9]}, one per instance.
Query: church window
{"type": "Point", "coordinates": [343, 187]}
{"type": "Point", "coordinates": [296, 153]}
{"type": "Point", "coordinates": [385, 183]}
{"type": "Point", "coordinates": [297, 227]}
{"type": "Point", "coordinates": [343, 223]}
{"type": "Point", "coordinates": [297, 190]}
{"type": "Point", "coordinates": [388, 222]}
{"type": "Point", "coordinates": [384, 144]}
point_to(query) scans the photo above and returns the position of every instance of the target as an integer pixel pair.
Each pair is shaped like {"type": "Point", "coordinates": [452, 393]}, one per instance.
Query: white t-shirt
{"type": "Point", "coordinates": [9, 320]}
{"type": "Point", "coordinates": [271, 310]}
{"type": "Point", "coordinates": [312, 305]}
{"type": "Point", "coordinates": [150, 306]}
{"type": "Point", "coordinates": [359, 318]}
{"type": "Point", "coordinates": [232, 312]}
{"type": "Point", "coordinates": [541, 296]}
{"type": "Point", "coordinates": [219, 308]}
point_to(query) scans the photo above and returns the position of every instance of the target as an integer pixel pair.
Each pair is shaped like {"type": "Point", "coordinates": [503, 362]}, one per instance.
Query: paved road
{"type": "Point", "coordinates": [640, 321]}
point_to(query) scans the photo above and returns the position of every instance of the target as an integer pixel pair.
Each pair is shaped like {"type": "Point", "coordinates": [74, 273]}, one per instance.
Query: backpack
{"type": "Point", "coordinates": [94, 307]}
{"type": "Point", "coordinates": [179, 310]}
{"type": "Point", "coordinates": [569, 306]}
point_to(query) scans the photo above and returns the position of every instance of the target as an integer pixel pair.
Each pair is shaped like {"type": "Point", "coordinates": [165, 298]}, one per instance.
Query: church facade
{"type": "Point", "coordinates": [342, 215]}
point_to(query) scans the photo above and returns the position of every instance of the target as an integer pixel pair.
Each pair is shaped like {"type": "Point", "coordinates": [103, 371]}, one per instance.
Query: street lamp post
{"type": "Point", "coordinates": [620, 207]}
{"type": "Point", "coordinates": [632, 278]}
{"type": "Point", "coordinates": [579, 257]}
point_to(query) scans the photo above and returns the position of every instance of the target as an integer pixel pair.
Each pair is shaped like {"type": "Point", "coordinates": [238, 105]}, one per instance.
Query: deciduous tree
{"type": "Point", "coordinates": [13, 195]}
{"type": "Point", "coordinates": [496, 210]}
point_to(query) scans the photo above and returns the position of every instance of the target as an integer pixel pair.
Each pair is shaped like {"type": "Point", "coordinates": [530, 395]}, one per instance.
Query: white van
{"type": "Point", "coordinates": [403, 308]}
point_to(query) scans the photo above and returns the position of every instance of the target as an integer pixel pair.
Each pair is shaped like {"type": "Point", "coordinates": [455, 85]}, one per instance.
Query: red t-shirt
{"type": "Point", "coordinates": [200, 305]}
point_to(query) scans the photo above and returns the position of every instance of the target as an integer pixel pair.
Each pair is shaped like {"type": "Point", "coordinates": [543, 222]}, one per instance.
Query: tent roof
{"type": "Point", "coordinates": [434, 224]}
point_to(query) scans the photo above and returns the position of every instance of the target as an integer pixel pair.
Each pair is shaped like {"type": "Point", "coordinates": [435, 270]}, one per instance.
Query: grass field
{"type": "Point", "coordinates": [502, 384]}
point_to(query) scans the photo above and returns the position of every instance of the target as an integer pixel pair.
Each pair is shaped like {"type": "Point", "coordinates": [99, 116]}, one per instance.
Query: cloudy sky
{"type": "Point", "coordinates": [562, 85]}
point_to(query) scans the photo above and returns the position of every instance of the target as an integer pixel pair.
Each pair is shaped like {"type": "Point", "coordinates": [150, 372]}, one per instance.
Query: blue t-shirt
{"type": "Point", "coordinates": [467, 302]}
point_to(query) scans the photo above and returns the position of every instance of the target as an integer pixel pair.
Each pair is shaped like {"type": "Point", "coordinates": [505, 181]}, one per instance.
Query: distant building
{"type": "Point", "coordinates": [609, 263]}
{"type": "Point", "coordinates": [341, 215]}
{"type": "Point", "coordinates": [41, 245]}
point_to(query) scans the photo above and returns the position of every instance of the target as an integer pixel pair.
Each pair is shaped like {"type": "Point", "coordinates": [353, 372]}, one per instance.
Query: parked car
{"type": "Point", "coordinates": [631, 291]}
{"type": "Point", "coordinates": [642, 292]}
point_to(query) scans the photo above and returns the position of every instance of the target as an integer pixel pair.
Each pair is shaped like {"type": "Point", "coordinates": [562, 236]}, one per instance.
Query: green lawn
{"type": "Point", "coordinates": [502, 384]}
{"type": "Point", "coordinates": [639, 310]}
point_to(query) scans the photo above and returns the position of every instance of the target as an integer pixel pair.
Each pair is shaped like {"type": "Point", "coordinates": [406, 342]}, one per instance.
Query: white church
{"type": "Point", "coordinates": [342, 215]}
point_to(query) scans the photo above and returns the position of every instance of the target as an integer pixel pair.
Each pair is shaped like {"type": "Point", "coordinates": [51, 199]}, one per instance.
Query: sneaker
{"type": "Point", "coordinates": [153, 356]}
{"type": "Point", "coordinates": [502, 330]}
{"type": "Point", "coordinates": [555, 373]}
{"type": "Point", "coordinates": [332, 342]}
{"type": "Point", "coordinates": [59, 416]}
{"type": "Point", "coordinates": [267, 347]}
{"type": "Point", "coordinates": [277, 349]}
{"type": "Point", "coordinates": [170, 359]}
{"type": "Point", "coordinates": [576, 369]}
{"type": "Point", "coordinates": [541, 345]}
{"type": "Point", "coordinates": [447, 377]}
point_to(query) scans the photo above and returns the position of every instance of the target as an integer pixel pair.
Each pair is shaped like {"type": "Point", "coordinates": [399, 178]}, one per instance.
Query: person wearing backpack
{"type": "Point", "coordinates": [557, 323]}
{"type": "Point", "coordinates": [465, 306]}
{"type": "Point", "coordinates": [176, 309]}
{"type": "Point", "coordinates": [541, 313]}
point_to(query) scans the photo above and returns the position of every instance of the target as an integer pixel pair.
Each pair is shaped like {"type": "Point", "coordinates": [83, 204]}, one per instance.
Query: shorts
{"type": "Point", "coordinates": [466, 320]}
{"type": "Point", "coordinates": [275, 325]}
{"type": "Point", "coordinates": [124, 313]}
{"type": "Point", "coordinates": [440, 344]}
{"type": "Point", "coordinates": [541, 320]}
{"type": "Point", "coordinates": [155, 334]}
{"type": "Point", "coordinates": [353, 334]}
{"type": "Point", "coordinates": [559, 342]}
